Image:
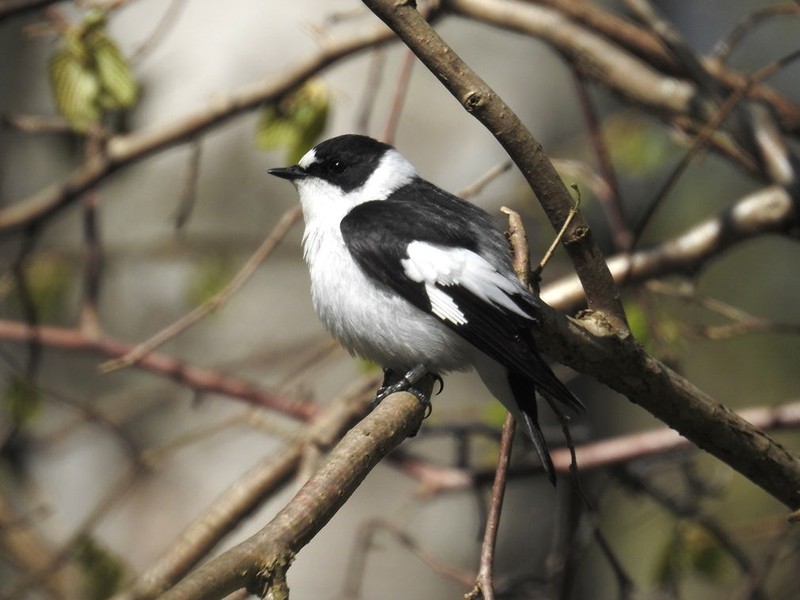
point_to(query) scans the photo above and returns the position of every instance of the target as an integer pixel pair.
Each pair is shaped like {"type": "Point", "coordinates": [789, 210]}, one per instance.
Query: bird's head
{"type": "Point", "coordinates": [347, 170]}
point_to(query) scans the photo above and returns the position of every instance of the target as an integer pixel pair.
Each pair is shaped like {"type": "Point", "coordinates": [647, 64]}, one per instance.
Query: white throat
{"type": "Point", "coordinates": [325, 204]}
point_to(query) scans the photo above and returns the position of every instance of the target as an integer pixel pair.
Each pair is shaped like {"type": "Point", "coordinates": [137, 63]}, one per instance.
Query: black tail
{"type": "Point", "coordinates": [525, 396]}
{"type": "Point", "coordinates": [524, 391]}
{"type": "Point", "coordinates": [547, 383]}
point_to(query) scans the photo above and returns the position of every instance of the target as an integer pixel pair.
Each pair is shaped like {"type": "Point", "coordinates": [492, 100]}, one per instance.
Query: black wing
{"type": "Point", "coordinates": [378, 235]}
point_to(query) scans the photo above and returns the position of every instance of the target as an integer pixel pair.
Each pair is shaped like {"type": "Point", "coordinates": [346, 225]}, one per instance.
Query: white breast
{"type": "Point", "coordinates": [369, 319]}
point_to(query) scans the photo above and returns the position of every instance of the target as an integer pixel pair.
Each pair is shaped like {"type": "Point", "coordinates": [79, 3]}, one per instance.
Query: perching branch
{"type": "Point", "coordinates": [247, 494]}
{"type": "Point", "coordinates": [260, 562]}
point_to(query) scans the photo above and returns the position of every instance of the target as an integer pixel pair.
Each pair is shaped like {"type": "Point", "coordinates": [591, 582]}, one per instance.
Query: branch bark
{"type": "Point", "coordinates": [524, 149]}
{"type": "Point", "coordinates": [125, 150]}
{"type": "Point", "coordinates": [260, 562]}
{"type": "Point", "coordinates": [768, 210]}
{"type": "Point", "coordinates": [201, 379]}
{"type": "Point", "coordinates": [623, 365]}
{"type": "Point", "coordinates": [597, 348]}
{"type": "Point", "coordinates": [247, 493]}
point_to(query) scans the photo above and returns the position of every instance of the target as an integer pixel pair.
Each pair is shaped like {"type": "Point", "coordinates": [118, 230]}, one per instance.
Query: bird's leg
{"type": "Point", "coordinates": [405, 384]}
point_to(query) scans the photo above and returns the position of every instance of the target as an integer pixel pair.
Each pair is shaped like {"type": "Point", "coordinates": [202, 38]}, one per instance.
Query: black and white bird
{"type": "Point", "coordinates": [406, 274]}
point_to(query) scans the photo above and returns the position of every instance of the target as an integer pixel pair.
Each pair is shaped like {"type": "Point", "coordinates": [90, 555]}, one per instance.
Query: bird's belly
{"type": "Point", "coordinates": [373, 322]}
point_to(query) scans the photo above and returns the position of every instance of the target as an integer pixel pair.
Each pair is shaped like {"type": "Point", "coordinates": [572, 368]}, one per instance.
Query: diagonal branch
{"type": "Point", "coordinates": [200, 379]}
{"type": "Point", "coordinates": [484, 104]}
{"type": "Point", "coordinates": [616, 360]}
{"type": "Point", "coordinates": [768, 210]}
{"type": "Point", "coordinates": [247, 494]}
{"type": "Point", "coordinates": [124, 150]}
{"type": "Point", "coordinates": [623, 365]}
{"type": "Point", "coordinates": [260, 562]}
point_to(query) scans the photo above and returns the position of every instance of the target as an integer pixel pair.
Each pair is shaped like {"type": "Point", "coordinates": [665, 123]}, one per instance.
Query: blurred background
{"type": "Point", "coordinates": [108, 468]}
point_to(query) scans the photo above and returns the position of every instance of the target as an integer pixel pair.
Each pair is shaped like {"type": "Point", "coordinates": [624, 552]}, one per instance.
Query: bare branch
{"type": "Point", "coordinates": [247, 493]}
{"type": "Point", "coordinates": [769, 210]}
{"type": "Point", "coordinates": [122, 151]}
{"type": "Point", "coordinates": [198, 378]}
{"type": "Point", "coordinates": [486, 106]}
{"type": "Point", "coordinates": [591, 456]}
{"type": "Point", "coordinates": [484, 586]}
{"type": "Point", "coordinates": [260, 562]}
{"type": "Point", "coordinates": [266, 248]}
{"type": "Point", "coordinates": [624, 366]}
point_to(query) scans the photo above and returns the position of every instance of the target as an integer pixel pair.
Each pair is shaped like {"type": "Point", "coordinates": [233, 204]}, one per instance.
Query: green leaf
{"type": "Point", "coordinates": [89, 75]}
{"type": "Point", "coordinates": [75, 89]}
{"type": "Point", "coordinates": [118, 87]}
{"type": "Point", "coordinates": [296, 122]}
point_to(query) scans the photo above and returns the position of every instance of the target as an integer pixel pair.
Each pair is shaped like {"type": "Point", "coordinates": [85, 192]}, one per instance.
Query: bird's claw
{"type": "Point", "coordinates": [438, 379]}
{"type": "Point", "coordinates": [406, 384]}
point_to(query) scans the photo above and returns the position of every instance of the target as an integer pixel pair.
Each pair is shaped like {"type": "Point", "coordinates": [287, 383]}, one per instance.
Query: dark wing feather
{"type": "Point", "coordinates": [378, 234]}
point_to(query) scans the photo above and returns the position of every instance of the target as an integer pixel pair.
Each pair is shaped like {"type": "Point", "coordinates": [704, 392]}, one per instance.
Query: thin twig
{"type": "Point", "coordinates": [477, 186]}
{"type": "Point", "coordinates": [403, 79]}
{"type": "Point", "coordinates": [726, 45]}
{"type": "Point", "coordinates": [199, 379]}
{"type": "Point", "coordinates": [708, 130]}
{"type": "Point", "coordinates": [557, 240]}
{"type": "Point", "coordinates": [357, 568]}
{"type": "Point", "coordinates": [484, 586]}
{"type": "Point", "coordinates": [169, 18]}
{"type": "Point", "coordinates": [287, 220]}
{"type": "Point", "coordinates": [613, 204]}
{"type": "Point", "coordinates": [93, 266]}
{"type": "Point", "coordinates": [372, 85]}
{"type": "Point", "coordinates": [188, 195]}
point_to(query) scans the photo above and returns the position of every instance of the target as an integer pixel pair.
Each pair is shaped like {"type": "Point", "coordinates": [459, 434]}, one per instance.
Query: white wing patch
{"type": "Point", "coordinates": [431, 265]}
{"type": "Point", "coordinates": [443, 305]}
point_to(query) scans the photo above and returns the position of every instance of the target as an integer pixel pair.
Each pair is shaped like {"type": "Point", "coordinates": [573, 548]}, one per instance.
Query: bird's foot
{"type": "Point", "coordinates": [406, 384]}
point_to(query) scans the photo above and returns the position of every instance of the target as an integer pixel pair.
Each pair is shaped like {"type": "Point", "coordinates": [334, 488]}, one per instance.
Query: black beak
{"type": "Point", "coordinates": [290, 173]}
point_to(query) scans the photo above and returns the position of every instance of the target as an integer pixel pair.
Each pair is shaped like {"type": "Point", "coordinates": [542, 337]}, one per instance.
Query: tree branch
{"type": "Point", "coordinates": [246, 494]}
{"type": "Point", "coordinates": [486, 106]}
{"type": "Point", "coordinates": [575, 28]}
{"type": "Point", "coordinates": [260, 562]}
{"type": "Point", "coordinates": [125, 150]}
{"type": "Point", "coordinates": [769, 210]}
{"type": "Point", "coordinates": [198, 378]}
{"type": "Point", "coordinates": [623, 365]}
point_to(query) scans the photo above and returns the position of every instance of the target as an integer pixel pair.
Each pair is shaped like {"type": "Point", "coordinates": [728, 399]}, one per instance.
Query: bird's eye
{"type": "Point", "coordinates": [338, 166]}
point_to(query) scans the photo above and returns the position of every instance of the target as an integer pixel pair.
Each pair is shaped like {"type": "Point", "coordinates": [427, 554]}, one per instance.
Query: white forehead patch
{"type": "Point", "coordinates": [308, 159]}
